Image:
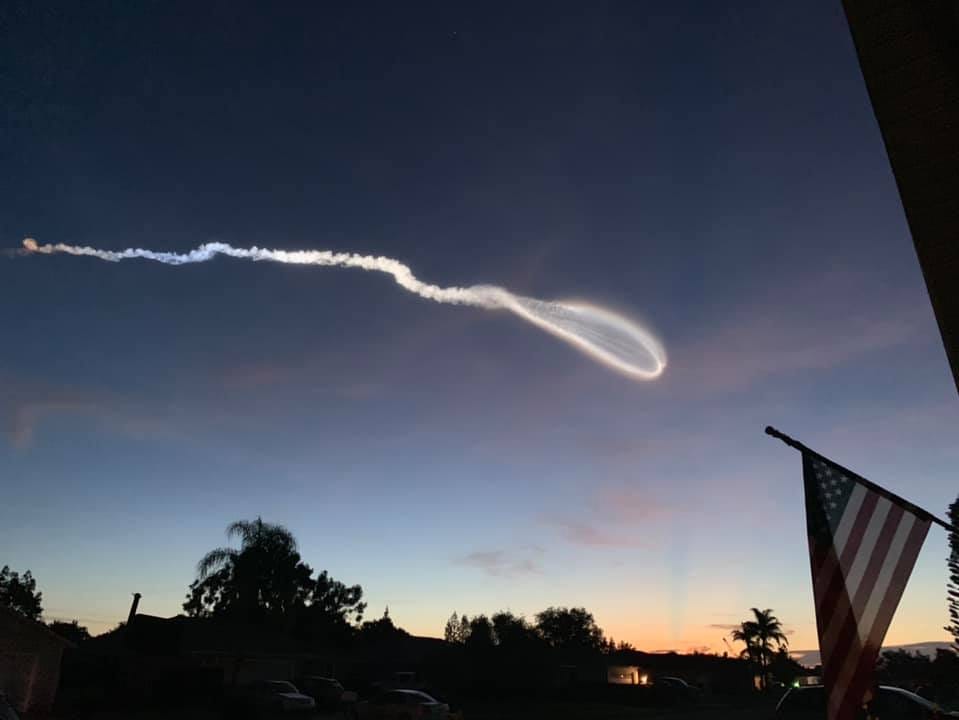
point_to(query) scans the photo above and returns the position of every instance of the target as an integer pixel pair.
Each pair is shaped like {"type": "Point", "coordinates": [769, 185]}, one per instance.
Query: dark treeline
{"type": "Point", "coordinates": [263, 597]}
{"type": "Point", "coordinates": [933, 677]}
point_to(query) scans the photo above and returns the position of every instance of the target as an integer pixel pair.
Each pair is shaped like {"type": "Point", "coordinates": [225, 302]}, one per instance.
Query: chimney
{"type": "Point", "coordinates": [133, 607]}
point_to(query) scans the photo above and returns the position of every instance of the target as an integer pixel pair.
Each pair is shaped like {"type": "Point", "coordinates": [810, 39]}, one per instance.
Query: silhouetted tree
{"type": "Point", "coordinates": [784, 668]}
{"type": "Point", "coordinates": [20, 593]}
{"type": "Point", "coordinates": [952, 587]}
{"type": "Point", "coordinates": [481, 633]}
{"type": "Point", "coordinates": [330, 612]}
{"type": "Point", "coordinates": [762, 635]}
{"type": "Point", "coordinates": [265, 578]}
{"type": "Point", "coordinates": [932, 677]}
{"type": "Point", "coordinates": [334, 602]}
{"type": "Point", "coordinates": [72, 631]}
{"type": "Point", "coordinates": [454, 630]}
{"type": "Point", "coordinates": [512, 631]}
{"type": "Point", "coordinates": [216, 594]}
{"type": "Point", "coordinates": [381, 631]}
{"type": "Point", "coordinates": [746, 633]}
{"type": "Point", "coordinates": [569, 629]}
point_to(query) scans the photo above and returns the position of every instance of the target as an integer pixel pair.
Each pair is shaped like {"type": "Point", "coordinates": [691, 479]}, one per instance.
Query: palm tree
{"type": "Point", "coordinates": [746, 633]}
{"type": "Point", "coordinates": [263, 570]}
{"type": "Point", "coordinates": [768, 632]}
{"type": "Point", "coordinates": [763, 635]}
{"type": "Point", "coordinates": [253, 534]}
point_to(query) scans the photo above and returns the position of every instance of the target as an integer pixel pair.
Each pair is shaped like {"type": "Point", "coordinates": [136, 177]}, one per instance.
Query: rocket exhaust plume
{"type": "Point", "coordinates": [614, 340]}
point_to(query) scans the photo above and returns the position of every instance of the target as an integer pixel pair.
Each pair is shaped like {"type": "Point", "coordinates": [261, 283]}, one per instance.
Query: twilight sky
{"type": "Point", "coordinates": [716, 173]}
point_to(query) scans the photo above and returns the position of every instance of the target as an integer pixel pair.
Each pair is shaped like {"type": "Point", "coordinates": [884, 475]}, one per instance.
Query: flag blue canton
{"type": "Point", "coordinates": [833, 490]}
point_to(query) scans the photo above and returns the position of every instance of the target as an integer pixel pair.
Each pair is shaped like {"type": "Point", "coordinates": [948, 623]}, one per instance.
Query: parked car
{"type": "Point", "coordinates": [890, 703]}
{"type": "Point", "coordinates": [328, 693]}
{"type": "Point", "coordinates": [281, 696]}
{"type": "Point", "coordinates": [675, 689]}
{"type": "Point", "coordinates": [402, 705]}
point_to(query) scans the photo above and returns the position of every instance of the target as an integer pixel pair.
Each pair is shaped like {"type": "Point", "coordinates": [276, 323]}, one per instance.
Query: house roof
{"type": "Point", "coordinates": [34, 626]}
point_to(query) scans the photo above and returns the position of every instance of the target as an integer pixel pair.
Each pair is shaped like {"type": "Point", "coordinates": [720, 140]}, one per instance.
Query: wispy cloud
{"type": "Point", "coordinates": [500, 563]}
{"type": "Point", "coordinates": [828, 320]}
{"type": "Point", "coordinates": [26, 405]}
{"type": "Point", "coordinates": [579, 532]}
{"type": "Point", "coordinates": [729, 627]}
{"type": "Point", "coordinates": [724, 626]}
{"type": "Point", "coordinates": [617, 516]}
{"type": "Point", "coordinates": [27, 416]}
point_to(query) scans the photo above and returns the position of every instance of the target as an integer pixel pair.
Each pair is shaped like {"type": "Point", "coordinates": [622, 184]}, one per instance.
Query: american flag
{"type": "Point", "coordinates": [863, 544]}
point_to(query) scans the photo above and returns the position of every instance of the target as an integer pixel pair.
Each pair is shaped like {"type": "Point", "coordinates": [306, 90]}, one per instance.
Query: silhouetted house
{"type": "Point", "coordinates": [30, 655]}
{"type": "Point", "coordinates": [208, 648]}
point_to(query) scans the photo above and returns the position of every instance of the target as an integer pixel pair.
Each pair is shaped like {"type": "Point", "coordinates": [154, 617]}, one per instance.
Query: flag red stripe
{"type": "Point", "coordinates": [841, 611]}
{"type": "Point", "coordinates": [848, 680]}
{"type": "Point", "coordinates": [842, 650]}
{"type": "Point", "coordinates": [832, 603]}
{"type": "Point", "coordinates": [817, 557]}
{"type": "Point", "coordinates": [859, 683]}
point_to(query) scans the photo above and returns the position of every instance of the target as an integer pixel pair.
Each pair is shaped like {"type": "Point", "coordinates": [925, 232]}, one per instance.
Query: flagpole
{"type": "Point", "coordinates": [773, 432]}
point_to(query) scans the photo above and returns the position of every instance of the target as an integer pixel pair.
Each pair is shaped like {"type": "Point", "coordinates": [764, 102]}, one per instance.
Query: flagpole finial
{"type": "Point", "coordinates": [773, 432]}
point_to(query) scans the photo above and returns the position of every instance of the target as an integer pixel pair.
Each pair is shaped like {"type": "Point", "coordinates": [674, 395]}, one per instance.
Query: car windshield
{"type": "Point", "coordinates": [281, 686]}
{"type": "Point", "coordinates": [325, 683]}
{"type": "Point", "coordinates": [809, 699]}
{"type": "Point", "coordinates": [906, 695]}
{"type": "Point", "coordinates": [419, 697]}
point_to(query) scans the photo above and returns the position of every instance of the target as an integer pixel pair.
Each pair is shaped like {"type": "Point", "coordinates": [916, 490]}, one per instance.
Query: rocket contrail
{"type": "Point", "coordinates": [614, 340]}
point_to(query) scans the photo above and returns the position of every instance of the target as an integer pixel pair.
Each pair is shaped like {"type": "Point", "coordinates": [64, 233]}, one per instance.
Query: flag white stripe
{"type": "Point", "coordinates": [869, 540]}
{"type": "Point", "coordinates": [848, 518]}
{"type": "Point", "coordinates": [878, 594]}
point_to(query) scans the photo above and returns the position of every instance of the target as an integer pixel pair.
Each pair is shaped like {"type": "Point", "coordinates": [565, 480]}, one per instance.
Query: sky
{"type": "Point", "coordinates": [715, 173]}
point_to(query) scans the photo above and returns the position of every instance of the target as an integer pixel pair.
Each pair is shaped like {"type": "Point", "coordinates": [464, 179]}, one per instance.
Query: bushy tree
{"type": "Point", "coordinates": [481, 633]}
{"type": "Point", "coordinates": [569, 629]}
{"type": "Point", "coordinates": [334, 602]}
{"type": "Point", "coordinates": [512, 631]}
{"type": "Point", "coordinates": [381, 632]}
{"type": "Point", "coordinates": [265, 579]}
{"type": "Point", "coordinates": [784, 668]}
{"type": "Point", "coordinates": [19, 592]}
{"type": "Point", "coordinates": [72, 631]}
{"type": "Point", "coordinates": [453, 633]}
